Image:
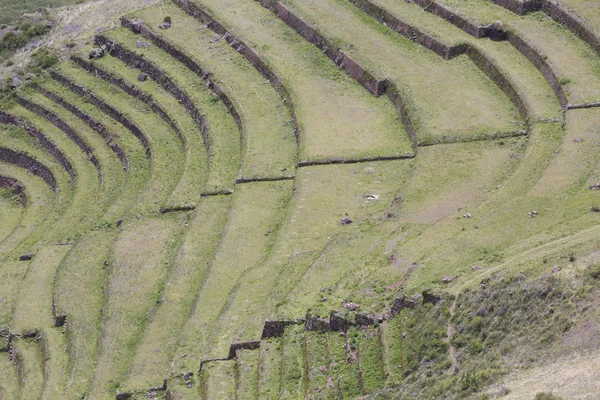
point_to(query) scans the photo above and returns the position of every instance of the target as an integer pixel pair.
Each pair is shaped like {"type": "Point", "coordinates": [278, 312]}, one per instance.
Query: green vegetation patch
{"type": "Point", "coordinates": [269, 369]}
{"type": "Point", "coordinates": [252, 227]}
{"type": "Point", "coordinates": [187, 271]}
{"type": "Point", "coordinates": [134, 285]}
{"type": "Point", "coordinates": [79, 294]}
{"type": "Point", "coordinates": [247, 374]}
{"type": "Point", "coordinates": [452, 101]}
{"type": "Point", "coordinates": [219, 380]}
{"type": "Point", "coordinates": [187, 192]}
{"type": "Point", "coordinates": [139, 165]}
{"type": "Point", "coordinates": [338, 118]}
{"type": "Point", "coordinates": [12, 9]}
{"type": "Point", "coordinates": [167, 157]}
{"type": "Point", "coordinates": [30, 358]}
{"type": "Point", "coordinates": [265, 119]}
{"type": "Point", "coordinates": [224, 136]}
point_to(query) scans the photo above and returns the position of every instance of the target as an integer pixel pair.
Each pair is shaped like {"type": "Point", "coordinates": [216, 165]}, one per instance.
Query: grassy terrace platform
{"type": "Point", "coordinates": [337, 117]}
{"type": "Point", "coordinates": [587, 10]}
{"type": "Point", "coordinates": [75, 221]}
{"type": "Point", "coordinates": [466, 93]}
{"type": "Point", "coordinates": [139, 165]}
{"type": "Point", "coordinates": [187, 272]}
{"type": "Point", "coordinates": [165, 147]}
{"type": "Point", "coordinates": [190, 186]}
{"type": "Point", "coordinates": [33, 311]}
{"type": "Point", "coordinates": [41, 203]}
{"type": "Point", "coordinates": [45, 206]}
{"type": "Point", "coordinates": [576, 65]}
{"type": "Point", "coordinates": [323, 196]}
{"type": "Point", "coordinates": [135, 279]}
{"type": "Point", "coordinates": [223, 134]}
{"type": "Point", "coordinates": [253, 220]}
{"type": "Point", "coordinates": [265, 120]}
{"type": "Point", "coordinates": [11, 212]}
{"type": "Point", "coordinates": [252, 228]}
{"type": "Point", "coordinates": [78, 297]}
{"type": "Point", "coordinates": [539, 99]}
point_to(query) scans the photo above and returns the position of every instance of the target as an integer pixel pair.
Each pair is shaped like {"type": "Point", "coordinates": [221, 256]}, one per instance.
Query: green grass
{"type": "Point", "coordinates": [113, 175]}
{"type": "Point", "coordinates": [134, 284]}
{"type": "Point", "coordinates": [167, 157]}
{"type": "Point", "coordinates": [79, 294]}
{"type": "Point", "coordinates": [264, 118]}
{"type": "Point", "coordinates": [11, 9]}
{"type": "Point", "coordinates": [473, 106]}
{"type": "Point", "coordinates": [192, 181]}
{"type": "Point", "coordinates": [88, 195]}
{"type": "Point", "coordinates": [30, 357]}
{"type": "Point", "coordinates": [9, 378]}
{"type": "Point", "coordinates": [530, 84]}
{"type": "Point", "coordinates": [11, 212]}
{"type": "Point", "coordinates": [42, 198]}
{"type": "Point", "coordinates": [293, 381]}
{"type": "Point", "coordinates": [219, 380]}
{"type": "Point", "coordinates": [323, 195]}
{"type": "Point", "coordinates": [224, 135]}
{"type": "Point", "coordinates": [33, 305]}
{"type": "Point", "coordinates": [247, 370]}
{"type": "Point", "coordinates": [186, 273]}
{"type": "Point", "coordinates": [574, 166]}
{"type": "Point", "coordinates": [370, 353]}
{"type": "Point", "coordinates": [338, 118]}
{"type": "Point", "coordinates": [33, 310]}
{"type": "Point", "coordinates": [343, 367]}
{"type": "Point", "coordinates": [315, 349]}
{"type": "Point", "coordinates": [588, 10]}
{"type": "Point", "coordinates": [576, 63]}
{"type": "Point", "coordinates": [40, 204]}
{"type": "Point", "coordinates": [252, 227]}
{"type": "Point", "coordinates": [139, 165]}
{"type": "Point", "coordinates": [269, 367]}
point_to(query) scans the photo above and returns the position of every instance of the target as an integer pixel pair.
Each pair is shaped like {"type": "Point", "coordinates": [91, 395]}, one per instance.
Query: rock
{"type": "Point", "coordinates": [555, 269]}
{"type": "Point", "coordinates": [351, 306]}
{"type": "Point", "coordinates": [429, 297]}
{"type": "Point", "coordinates": [98, 52]}
{"type": "Point", "coordinates": [346, 221]}
{"type": "Point", "coordinates": [476, 267]}
{"type": "Point", "coordinates": [142, 77]}
{"type": "Point", "coordinates": [140, 44]}
{"type": "Point", "coordinates": [166, 24]}
{"type": "Point", "coordinates": [337, 323]}
{"type": "Point", "coordinates": [316, 324]}
{"type": "Point", "coordinates": [448, 279]}
{"type": "Point", "coordinates": [401, 303]}
{"type": "Point", "coordinates": [578, 140]}
{"type": "Point", "coordinates": [16, 82]}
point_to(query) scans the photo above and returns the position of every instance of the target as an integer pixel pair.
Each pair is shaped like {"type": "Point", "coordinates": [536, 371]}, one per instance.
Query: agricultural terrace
{"type": "Point", "coordinates": [300, 199]}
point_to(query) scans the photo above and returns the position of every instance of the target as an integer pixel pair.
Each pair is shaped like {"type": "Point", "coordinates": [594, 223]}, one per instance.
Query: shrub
{"type": "Point", "coordinates": [547, 396]}
{"type": "Point", "coordinates": [41, 60]}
